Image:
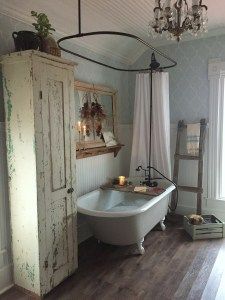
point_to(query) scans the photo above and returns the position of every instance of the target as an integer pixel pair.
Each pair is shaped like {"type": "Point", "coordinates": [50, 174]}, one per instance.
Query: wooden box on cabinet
{"type": "Point", "coordinates": [39, 104]}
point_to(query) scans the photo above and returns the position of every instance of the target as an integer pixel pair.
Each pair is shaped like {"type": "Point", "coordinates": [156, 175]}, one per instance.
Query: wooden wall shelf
{"type": "Point", "coordinates": [98, 151]}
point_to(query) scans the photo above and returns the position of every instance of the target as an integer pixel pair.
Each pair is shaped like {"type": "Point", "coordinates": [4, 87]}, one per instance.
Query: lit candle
{"type": "Point", "coordinates": [122, 180]}
{"type": "Point", "coordinates": [84, 130]}
{"type": "Point", "coordinates": [79, 126]}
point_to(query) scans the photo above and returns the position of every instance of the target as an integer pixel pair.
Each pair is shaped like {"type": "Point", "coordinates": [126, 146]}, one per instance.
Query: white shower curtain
{"type": "Point", "coordinates": [160, 156]}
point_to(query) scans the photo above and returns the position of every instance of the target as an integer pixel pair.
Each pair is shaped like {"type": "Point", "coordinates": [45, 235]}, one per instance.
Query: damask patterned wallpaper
{"type": "Point", "coordinates": [189, 86]}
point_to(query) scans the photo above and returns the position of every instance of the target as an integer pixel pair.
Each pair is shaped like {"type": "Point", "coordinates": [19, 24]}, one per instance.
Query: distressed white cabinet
{"type": "Point", "coordinates": [39, 104]}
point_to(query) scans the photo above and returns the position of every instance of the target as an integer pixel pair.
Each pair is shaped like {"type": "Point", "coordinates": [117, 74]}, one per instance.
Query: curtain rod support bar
{"type": "Point", "coordinates": [173, 63]}
{"type": "Point", "coordinates": [79, 16]}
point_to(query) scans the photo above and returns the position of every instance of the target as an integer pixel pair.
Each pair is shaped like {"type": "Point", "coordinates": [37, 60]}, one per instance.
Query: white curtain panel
{"type": "Point", "coordinates": [160, 158]}
{"type": "Point", "coordinates": [216, 156]}
{"type": "Point", "coordinates": [141, 125]}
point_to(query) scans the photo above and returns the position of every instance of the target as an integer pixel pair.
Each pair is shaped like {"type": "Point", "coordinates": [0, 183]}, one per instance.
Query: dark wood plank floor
{"type": "Point", "coordinates": [173, 267]}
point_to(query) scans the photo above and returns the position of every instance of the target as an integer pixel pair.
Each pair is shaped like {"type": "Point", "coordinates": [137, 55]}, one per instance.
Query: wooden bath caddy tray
{"type": "Point", "coordinates": [212, 228]}
{"type": "Point", "coordinates": [154, 191]}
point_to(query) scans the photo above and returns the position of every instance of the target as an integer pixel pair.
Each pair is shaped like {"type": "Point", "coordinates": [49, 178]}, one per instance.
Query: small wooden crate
{"type": "Point", "coordinates": [213, 228]}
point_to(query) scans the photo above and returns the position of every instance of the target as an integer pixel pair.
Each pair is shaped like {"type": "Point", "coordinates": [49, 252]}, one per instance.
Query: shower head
{"type": "Point", "coordinates": [154, 63]}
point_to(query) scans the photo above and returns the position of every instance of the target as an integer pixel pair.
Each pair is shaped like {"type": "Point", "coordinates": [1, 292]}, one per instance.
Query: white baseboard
{"type": "Point", "coordinates": [6, 278]}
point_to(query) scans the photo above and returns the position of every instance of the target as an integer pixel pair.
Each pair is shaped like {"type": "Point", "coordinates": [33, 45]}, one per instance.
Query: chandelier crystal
{"type": "Point", "coordinates": [177, 17]}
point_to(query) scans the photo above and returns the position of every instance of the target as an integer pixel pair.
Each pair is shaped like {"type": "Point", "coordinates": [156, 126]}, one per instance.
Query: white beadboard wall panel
{"type": "Point", "coordinates": [95, 171]}
{"type": "Point", "coordinates": [5, 256]}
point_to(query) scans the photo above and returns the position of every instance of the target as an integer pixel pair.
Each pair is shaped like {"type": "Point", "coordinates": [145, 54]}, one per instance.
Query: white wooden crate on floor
{"type": "Point", "coordinates": [212, 228]}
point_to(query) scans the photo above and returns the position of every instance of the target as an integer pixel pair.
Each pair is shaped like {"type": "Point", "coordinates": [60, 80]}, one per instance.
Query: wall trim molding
{"type": "Point", "coordinates": [6, 278]}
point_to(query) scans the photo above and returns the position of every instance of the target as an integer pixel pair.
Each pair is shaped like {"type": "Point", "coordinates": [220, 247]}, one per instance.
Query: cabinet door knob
{"type": "Point", "coordinates": [70, 191]}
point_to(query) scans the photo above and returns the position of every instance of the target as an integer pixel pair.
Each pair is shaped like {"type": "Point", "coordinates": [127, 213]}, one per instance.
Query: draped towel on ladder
{"type": "Point", "coordinates": [160, 156]}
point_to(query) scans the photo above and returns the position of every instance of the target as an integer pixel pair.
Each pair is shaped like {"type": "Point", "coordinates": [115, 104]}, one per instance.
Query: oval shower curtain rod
{"type": "Point", "coordinates": [173, 63]}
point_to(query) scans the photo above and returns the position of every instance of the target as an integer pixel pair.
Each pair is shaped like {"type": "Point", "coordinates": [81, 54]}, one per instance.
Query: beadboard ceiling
{"type": "Point", "coordinates": [130, 16]}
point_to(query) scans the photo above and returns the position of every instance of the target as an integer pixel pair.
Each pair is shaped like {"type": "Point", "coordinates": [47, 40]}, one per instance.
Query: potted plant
{"type": "Point", "coordinates": [44, 30]}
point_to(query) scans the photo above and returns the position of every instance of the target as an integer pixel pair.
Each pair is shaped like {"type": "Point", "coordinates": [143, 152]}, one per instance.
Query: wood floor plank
{"type": "Point", "coordinates": [173, 267]}
{"type": "Point", "coordinates": [169, 274]}
{"type": "Point", "coordinates": [200, 282]}
{"type": "Point", "coordinates": [221, 290]}
{"type": "Point", "coordinates": [215, 277]}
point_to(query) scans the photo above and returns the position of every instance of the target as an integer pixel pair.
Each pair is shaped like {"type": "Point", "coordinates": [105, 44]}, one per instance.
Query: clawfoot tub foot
{"type": "Point", "coordinates": [140, 247]}
{"type": "Point", "coordinates": [163, 226]}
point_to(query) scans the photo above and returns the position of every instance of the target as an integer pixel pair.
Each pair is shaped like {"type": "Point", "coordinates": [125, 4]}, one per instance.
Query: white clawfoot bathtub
{"type": "Point", "coordinates": [122, 218]}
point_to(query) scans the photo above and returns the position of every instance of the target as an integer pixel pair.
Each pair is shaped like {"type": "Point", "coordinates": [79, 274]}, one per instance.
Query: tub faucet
{"type": "Point", "coordinates": [148, 181]}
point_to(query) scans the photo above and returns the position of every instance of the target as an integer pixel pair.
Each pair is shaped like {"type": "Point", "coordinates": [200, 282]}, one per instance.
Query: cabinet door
{"type": "Point", "coordinates": [59, 155]}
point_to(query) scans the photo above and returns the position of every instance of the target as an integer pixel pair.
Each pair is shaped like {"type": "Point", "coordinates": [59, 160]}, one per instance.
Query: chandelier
{"type": "Point", "coordinates": [176, 17]}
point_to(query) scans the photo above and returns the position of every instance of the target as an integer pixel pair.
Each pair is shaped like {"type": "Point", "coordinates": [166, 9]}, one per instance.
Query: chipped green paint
{"type": "Point", "coordinates": [9, 102]}
{"type": "Point", "coordinates": [10, 148]}
{"type": "Point", "coordinates": [30, 272]}
{"type": "Point", "coordinates": [27, 271]}
{"type": "Point", "coordinates": [19, 122]}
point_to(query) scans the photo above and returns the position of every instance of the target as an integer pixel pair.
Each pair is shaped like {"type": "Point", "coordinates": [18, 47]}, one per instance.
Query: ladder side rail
{"type": "Point", "coordinates": [180, 128]}
{"type": "Point", "coordinates": [200, 163]}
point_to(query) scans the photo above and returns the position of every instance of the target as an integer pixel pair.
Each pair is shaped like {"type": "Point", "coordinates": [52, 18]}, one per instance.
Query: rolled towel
{"type": "Point", "coordinates": [193, 134]}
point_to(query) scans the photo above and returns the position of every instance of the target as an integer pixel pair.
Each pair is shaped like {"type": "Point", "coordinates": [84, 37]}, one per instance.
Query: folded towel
{"type": "Point", "coordinates": [193, 134]}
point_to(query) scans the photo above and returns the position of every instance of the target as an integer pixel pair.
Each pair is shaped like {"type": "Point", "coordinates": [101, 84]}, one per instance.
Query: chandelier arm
{"type": "Point", "coordinates": [185, 1]}
{"type": "Point", "coordinates": [206, 7]}
{"type": "Point", "coordinates": [159, 6]}
{"type": "Point", "coordinates": [173, 63]}
{"type": "Point", "coordinates": [159, 3]}
{"type": "Point", "coordinates": [184, 24]}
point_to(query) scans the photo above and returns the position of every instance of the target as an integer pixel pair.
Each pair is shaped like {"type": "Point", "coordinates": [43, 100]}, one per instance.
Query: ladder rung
{"type": "Point", "coordinates": [187, 157]}
{"type": "Point", "coordinates": [190, 189]}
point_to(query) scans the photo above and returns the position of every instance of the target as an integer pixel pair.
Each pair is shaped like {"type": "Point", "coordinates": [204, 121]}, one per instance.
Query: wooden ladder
{"type": "Point", "coordinates": [198, 190]}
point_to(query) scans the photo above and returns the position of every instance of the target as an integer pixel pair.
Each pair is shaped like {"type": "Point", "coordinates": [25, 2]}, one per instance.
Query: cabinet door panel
{"type": "Point", "coordinates": [57, 134]}
{"type": "Point", "coordinates": [58, 225]}
{"type": "Point", "coordinates": [60, 214]}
